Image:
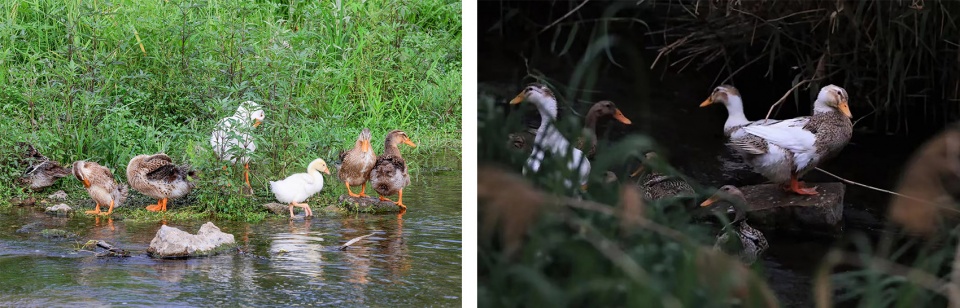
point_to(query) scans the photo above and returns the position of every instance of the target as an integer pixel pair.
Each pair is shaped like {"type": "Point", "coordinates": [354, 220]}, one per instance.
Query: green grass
{"type": "Point", "coordinates": [75, 82]}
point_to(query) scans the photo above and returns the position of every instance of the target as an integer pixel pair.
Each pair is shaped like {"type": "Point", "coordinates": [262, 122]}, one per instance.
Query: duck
{"type": "Point", "coordinates": [655, 185]}
{"type": "Point", "coordinates": [158, 177]}
{"type": "Point", "coordinates": [729, 96]}
{"type": "Point", "coordinates": [231, 139]}
{"type": "Point", "coordinates": [752, 242]}
{"type": "Point", "coordinates": [41, 172]}
{"type": "Point", "coordinates": [598, 110]}
{"type": "Point", "coordinates": [549, 140]}
{"type": "Point", "coordinates": [389, 175]}
{"type": "Point", "coordinates": [356, 164]}
{"type": "Point", "coordinates": [786, 150]}
{"type": "Point", "coordinates": [100, 185]}
{"type": "Point", "coordinates": [296, 188]}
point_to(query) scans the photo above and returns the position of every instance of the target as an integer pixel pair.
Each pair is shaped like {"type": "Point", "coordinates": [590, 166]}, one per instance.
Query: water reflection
{"type": "Point", "coordinates": [299, 250]}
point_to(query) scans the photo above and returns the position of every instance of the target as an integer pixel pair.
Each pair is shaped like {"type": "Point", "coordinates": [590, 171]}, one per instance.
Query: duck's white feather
{"type": "Point", "coordinates": [790, 136]}
{"type": "Point", "coordinates": [232, 134]}
{"type": "Point", "coordinates": [297, 187]}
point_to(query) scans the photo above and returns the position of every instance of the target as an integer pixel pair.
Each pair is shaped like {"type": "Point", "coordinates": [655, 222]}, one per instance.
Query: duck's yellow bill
{"type": "Point", "coordinates": [707, 102]}
{"type": "Point", "coordinates": [620, 117]}
{"type": "Point", "coordinates": [845, 109]}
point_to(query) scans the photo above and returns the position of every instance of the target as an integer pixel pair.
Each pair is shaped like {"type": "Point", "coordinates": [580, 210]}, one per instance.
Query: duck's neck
{"type": "Point", "coordinates": [735, 116]}
{"type": "Point", "coordinates": [548, 113]}
{"type": "Point", "coordinates": [391, 149]}
{"type": "Point", "coordinates": [820, 107]}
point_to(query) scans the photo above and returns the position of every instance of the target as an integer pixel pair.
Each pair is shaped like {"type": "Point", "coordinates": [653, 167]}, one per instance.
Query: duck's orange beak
{"type": "Point", "coordinates": [620, 117]}
{"type": "Point", "coordinates": [710, 200]}
{"type": "Point", "coordinates": [257, 123]}
{"type": "Point", "coordinates": [326, 170]}
{"type": "Point", "coordinates": [707, 102]}
{"type": "Point", "coordinates": [364, 146]}
{"type": "Point", "coordinates": [637, 172]}
{"type": "Point", "coordinates": [845, 109]}
{"type": "Point", "coordinates": [408, 142]}
{"type": "Point", "coordinates": [86, 183]}
{"type": "Point", "coordinates": [516, 100]}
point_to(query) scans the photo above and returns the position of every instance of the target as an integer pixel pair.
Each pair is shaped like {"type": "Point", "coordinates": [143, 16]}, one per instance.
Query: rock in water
{"type": "Point", "coordinates": [171, 242]}
{"type": "Point", "coordinates": [59, 195]}
{"type": "Point", "coordinates": [773, 208]}
{"type": "Point", "coordinates": [277, 208]}
{"type": "Point", "coordinates": [59, 209]}
{"type": "Point", "coordinates": [366, 205]}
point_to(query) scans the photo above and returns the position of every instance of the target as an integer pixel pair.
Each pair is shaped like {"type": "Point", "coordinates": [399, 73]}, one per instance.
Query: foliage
{"type": "Point", "coordinates": [107, 80]}
{"type": "Point", "coordinates": [896, 58]}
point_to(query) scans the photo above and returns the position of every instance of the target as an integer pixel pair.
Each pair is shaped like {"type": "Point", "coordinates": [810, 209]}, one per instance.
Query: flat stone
{"type": "Point", "coordinates": [171, 242]}
{"type": "Point", "coordinates": [277, 208]}
{"type": "Point", "coordinates": [59, 209]}
{"type": "Point", "coordinates": [366, 205]}
{"type": "Point", "coordinates": [30, 227]}
{"type": "Point", "coordinates": [59, 195]}
{"type": "Point", "coordinates": [772, 208]}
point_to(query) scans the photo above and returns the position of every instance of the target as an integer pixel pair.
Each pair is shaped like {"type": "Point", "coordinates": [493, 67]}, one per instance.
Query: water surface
{"type": "Point", "coordinates": [411, 260]}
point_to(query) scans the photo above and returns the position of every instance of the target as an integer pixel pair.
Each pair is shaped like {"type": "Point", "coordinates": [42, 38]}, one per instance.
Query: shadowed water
{"type": "Point", "coordinates": [411, 260]}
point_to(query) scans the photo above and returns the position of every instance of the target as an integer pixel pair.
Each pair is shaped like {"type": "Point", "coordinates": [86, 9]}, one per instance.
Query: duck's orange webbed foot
{"type": "Point", "coordinates": [95, 211]}
{"type": "Point", "coordinates": [350, 192]}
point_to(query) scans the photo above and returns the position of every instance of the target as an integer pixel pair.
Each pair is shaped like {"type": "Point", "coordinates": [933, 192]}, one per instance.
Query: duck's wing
{"type": "Point", "coordinates": [789, 135]}
{"type": "Point", "coordinates": [165, 173]}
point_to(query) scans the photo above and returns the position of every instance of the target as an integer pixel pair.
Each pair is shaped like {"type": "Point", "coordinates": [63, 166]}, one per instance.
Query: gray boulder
{"type": "Point", "coordinates": [171, 242]}
{"type": "Point", "coordinates": [59, 209]}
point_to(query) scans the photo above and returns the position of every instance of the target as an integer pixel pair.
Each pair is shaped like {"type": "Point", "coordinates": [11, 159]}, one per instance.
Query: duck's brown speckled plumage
{"type": "Point", "coordinates": [389, 174]}
{"type": "Point", "coordinates": [156, 176]}
{"type": "Point", "coordinates": [655, 185]}
{"type": "Point", "coordinates": [41, 172]}
{"type": "Point", "coordinates": [752, 242]}
{"type": "Point", "coordinates": [103, 188]}
{"type": "Point", "coordinates": [355, 164]}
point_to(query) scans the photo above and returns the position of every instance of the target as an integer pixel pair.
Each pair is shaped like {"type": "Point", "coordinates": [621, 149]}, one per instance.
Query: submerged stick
{"type": "Point", "coordinates": [354, 240]}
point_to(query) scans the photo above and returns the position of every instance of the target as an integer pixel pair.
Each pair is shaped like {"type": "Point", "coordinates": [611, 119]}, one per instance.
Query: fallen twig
{"type": "Point", "coordinates": [874, 188]}
{"type": "Point", "coordinates": [785, 97]}
{"type": "Point", "coordinates": [354, 240]}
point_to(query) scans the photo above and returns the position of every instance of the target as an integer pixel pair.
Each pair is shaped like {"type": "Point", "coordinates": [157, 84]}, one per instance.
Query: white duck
{"type": "Point", "coordinates": [298, 187]}
{"type": "Point", "coordinates": [730, 97]}
{"type": "Point", "coordinates": [232, 140]}
{"type": "Point", "coordinates": [786, 150]}
{"type": "Point", "coordinates": [549, 140]}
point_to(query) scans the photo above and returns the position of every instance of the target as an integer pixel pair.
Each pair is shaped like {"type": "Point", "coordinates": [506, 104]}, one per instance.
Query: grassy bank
{"type": "Point", "coordinates": [105, 81]}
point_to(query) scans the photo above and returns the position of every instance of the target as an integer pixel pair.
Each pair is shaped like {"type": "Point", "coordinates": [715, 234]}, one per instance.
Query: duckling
{"type": "Point", "coordinates": [156, 176]}
{"type": "Point", "coordinates": [100, 184]}
{"type": "Point", "coordinates": [357, 163]}
{"type": "Point", "coordinates": [598, 110]}
{"type": "Point", "coordinates": [298, 187]}
{"type": "Point", "coordinates": [232, 140]}
{"type": "Point", "coordinates": [549, 140]}
{"type": "Point", "coordinates": [389, 175]}
{"type": "Point", "coordinates": [786, 150]}
{"type": "Point", "coordinates": [656, 186]}
{"type": "Point", "coordinates": [752, 241]}
{"type": "Point", "coordinates": [41, 172]}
